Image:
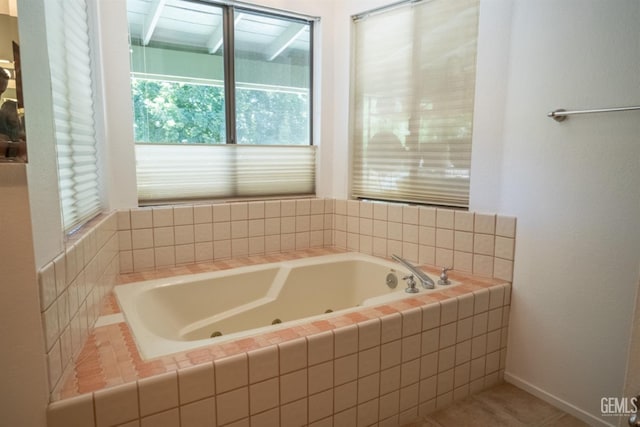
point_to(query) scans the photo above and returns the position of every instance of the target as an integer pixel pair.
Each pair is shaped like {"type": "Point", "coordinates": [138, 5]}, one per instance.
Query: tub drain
{"type": "Point", "coordinates": [276, 321]}
{"type": "Point", "coordinates": [328, 310]}
{"type": "Point", "coordinates": [216, 334]}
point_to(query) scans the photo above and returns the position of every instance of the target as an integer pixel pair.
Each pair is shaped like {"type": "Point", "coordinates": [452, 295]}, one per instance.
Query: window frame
{"type": "Point", "coordinates": [285, 16]}
{"type": "Point", "coordinates": [229, 83]}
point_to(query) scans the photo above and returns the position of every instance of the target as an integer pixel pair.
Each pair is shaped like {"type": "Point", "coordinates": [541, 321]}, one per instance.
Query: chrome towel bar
{"type": "Point", "coordinates": [561, 115]}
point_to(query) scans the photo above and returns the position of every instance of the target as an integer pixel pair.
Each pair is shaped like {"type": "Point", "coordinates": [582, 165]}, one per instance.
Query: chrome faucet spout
{"type": "Point", "coordinates": [425, 280]}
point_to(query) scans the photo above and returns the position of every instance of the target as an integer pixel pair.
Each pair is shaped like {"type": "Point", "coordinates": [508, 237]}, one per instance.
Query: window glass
{"type": "Point", "coordinates": [177, 79]}
{"type": "Point", "coordinates": [273, 79]}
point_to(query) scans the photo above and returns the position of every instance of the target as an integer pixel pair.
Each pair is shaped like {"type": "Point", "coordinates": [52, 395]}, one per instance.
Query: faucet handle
{"type": "Point", "coordinates": [444, 278]}
{"type": "Point", "coordinates": [411, 284]}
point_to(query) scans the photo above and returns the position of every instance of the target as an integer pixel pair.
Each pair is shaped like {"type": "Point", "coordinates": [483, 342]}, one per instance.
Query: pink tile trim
{"type": "Point", "coordinates": [110, 357]}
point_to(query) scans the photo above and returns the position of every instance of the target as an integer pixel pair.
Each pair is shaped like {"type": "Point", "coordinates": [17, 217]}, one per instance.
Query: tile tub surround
{"type": "Point", "coordinates": [478, 243]}
{"type": "Point", "coordinates": [72, 289]}
{"type": "Point", "coordinates": [390, 363]}
{"type": "Point", "coordinates": [172, 240]}
{"type": "Point", "coordinates": [168, 236]}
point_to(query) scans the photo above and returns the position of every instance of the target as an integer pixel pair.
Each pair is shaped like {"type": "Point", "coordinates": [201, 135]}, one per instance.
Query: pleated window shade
{"type": "Point", "coordinates": [72, 89]}
{"type": "Point", "coordinates": [203, 171]}
{"type": "Point", "coordinates": [414, 79]}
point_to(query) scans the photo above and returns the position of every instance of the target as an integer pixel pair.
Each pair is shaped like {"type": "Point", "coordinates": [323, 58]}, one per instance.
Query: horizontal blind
{"type": "Point", "coordinates": [414, 86]}
{"type": "Point", "coordinates": [72, 89]}
{"type": "Point", "coordinates": [179, 172]}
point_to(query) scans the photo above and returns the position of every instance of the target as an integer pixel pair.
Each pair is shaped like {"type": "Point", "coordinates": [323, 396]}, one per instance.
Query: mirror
{"type": "Point", "coordinates": [13, 142]}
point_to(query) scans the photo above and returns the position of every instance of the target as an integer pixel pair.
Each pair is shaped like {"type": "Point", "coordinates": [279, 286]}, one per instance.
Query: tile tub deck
{"type": "Point", "coordinates": [110, 357]}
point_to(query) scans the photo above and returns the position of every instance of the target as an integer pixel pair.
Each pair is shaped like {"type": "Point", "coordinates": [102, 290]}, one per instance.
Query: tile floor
{"type": "Point", "coordinates": [502, 405]}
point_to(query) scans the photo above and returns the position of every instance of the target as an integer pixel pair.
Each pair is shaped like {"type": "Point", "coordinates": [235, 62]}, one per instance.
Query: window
{"type": "Point", "coordinates": [222, 101]}
{"type": "Point", "coordinates": [414, 84]}
{"type": "Point", "coordinates": [73, 109]}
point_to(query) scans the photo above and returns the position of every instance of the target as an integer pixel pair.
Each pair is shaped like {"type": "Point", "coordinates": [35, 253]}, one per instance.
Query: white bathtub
{"type": "Point", "coordinates": [182, 312]}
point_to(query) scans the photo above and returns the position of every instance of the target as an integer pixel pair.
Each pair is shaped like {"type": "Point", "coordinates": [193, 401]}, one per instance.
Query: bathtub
{"type": "Point", "coordinates": [185, 312]}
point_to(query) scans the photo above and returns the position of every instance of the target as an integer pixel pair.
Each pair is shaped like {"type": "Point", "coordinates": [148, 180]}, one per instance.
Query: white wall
{"type": "Point", "coordinates": [113, 74]}
{"type": "Point", "coordinates": [492, 70]}
{"type": "Point", "coordinates": [574, 187]}
{"type": "Point", "coordinates": [42, 168]}
{"type": "Point", "coordinates": [22, 360]}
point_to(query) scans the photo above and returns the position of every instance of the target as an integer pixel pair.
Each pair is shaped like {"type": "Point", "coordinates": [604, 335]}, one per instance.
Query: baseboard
{"type": "Point", "coordinates": [558, 403]}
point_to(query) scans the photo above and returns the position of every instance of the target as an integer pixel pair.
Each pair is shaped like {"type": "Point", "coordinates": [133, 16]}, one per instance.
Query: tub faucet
{"type": "Point", "coordinates": [425, 280]}
{"type": "Point", "coordinates": [411, 284]}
